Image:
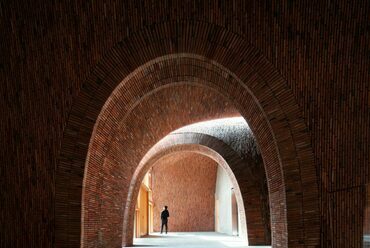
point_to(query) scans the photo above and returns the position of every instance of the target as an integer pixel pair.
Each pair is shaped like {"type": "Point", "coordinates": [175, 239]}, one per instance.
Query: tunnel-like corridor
{"type": "Point", "coordinates": [167, 93]}
{"type": "Point", "coordinates": [192, 170]}
{"type": "Point", "coordinates": [246, 118]}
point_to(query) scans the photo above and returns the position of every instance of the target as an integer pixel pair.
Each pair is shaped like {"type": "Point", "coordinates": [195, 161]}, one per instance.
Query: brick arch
{"type": "Point", "coordinates": [223, 62]}
{"type": "Point", "coordinates": [234, 165]}
{"type": "Point", "coordinates": [130, 151]}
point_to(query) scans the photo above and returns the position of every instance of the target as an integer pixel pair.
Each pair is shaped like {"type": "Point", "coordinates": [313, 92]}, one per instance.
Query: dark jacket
{"type": "Point", "coordinates": [165, 214]}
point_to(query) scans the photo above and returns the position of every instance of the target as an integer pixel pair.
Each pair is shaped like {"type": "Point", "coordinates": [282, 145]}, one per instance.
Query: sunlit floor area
{"type": "Point", "coordinates": [191, 240]}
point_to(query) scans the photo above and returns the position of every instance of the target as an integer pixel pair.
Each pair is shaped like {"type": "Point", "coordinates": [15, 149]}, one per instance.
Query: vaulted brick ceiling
{"type": "Point", "coordinates": [305, 64]}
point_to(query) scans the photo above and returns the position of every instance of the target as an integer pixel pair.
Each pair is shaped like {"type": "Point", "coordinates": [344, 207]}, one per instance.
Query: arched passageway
{"type": "Point", "coordinates": [225, 65]}
{"type": "Point", "coordinates": [179, 144]}
{"type": "Point", "coordinates": [235, 167]}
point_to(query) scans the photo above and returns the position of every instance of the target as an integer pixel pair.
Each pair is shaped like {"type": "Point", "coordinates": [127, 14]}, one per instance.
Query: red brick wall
{"type": "Point", "coordinates": [186, 183]}
{"type": "Point", "coordinates": [117, 137]}
{"type": "Point", "coordinates": [119, 148]}
{"type": "Point", "coordinates": [48, 50]}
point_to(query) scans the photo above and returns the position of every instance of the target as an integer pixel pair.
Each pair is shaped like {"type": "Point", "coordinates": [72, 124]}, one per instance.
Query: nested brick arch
{"type": "Point", "coordinates": [245, 183]}
{"type": "Point", "coordinates": [118, 151]}
{"type": "Point", "coordinates": [99, 143]}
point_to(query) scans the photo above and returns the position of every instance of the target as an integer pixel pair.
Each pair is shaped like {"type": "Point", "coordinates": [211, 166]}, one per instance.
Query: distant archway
{"type": "Point", "coordinates": [221, 153]}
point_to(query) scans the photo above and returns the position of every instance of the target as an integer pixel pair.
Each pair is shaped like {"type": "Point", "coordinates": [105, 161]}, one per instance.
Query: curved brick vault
{"type": "Point", "coordinates": [245, 182]}
{"type": "Point", "coordinates": [120, 148]}
{"type": "Point", "coordinates": [106, 121]}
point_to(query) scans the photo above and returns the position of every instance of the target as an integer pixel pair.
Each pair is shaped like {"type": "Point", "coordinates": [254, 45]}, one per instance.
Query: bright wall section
{"type": "Point", "coordinates": [185, 182]}
{"type": "Point", "coordinates": [226, 209]}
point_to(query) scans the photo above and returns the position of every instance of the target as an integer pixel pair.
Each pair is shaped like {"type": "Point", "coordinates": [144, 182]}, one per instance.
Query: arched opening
{"type": "Point", "coordinates": [191, 139]}
{"type": "Point", "coordinates": [194, 211]}
{"type": "Point", "coordinates": [167, 148]}
{"type": "Point", "coordinates": [258, 93]}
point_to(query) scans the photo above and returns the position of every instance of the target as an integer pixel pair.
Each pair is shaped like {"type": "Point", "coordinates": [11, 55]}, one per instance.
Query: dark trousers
{"type": "Point", "coordinates": [164, 223]}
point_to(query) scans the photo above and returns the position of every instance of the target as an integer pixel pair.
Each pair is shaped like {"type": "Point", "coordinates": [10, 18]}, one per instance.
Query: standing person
{"type": "Point", "coordinates": [164, 218]}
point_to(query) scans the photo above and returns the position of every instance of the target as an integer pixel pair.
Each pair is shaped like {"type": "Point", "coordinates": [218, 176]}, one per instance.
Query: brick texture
{"type": "Point", "coordinates": [186, 183]}
{"type": "Point", "coordinates": [107, 186]}
{"type": "Point", "coordinates": [305, 93]}
{"type": "Point", "coordinates": [121, 129]}
{"type": "Point", "coordinates": [244, 175]}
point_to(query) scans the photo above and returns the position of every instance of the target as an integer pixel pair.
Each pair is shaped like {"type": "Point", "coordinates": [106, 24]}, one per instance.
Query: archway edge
{"type": "Point", "coordinates": [272, 95]}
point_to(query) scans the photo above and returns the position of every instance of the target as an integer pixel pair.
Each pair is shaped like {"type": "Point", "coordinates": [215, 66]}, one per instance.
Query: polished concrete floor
{"type": "Point", "coordinates": [191, 240]}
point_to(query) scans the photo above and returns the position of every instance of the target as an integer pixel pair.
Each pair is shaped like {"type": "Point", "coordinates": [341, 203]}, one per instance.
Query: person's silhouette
{"type": "Point", "coordinates": [164, 219]}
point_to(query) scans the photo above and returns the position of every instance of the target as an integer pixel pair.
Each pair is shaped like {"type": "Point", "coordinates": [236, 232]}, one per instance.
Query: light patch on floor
{"type": "Point", "coordinates": [192, 240]}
